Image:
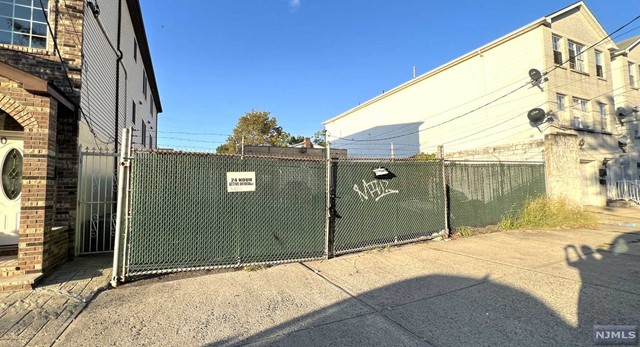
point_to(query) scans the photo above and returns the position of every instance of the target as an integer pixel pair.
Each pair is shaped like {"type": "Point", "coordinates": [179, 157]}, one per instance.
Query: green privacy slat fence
{"type": "Point", "coordinates": [375, 212]}
{"type": "Point", "coordinates": [481, 194]}
{"type": "Point", "coordinates": [184, 217]}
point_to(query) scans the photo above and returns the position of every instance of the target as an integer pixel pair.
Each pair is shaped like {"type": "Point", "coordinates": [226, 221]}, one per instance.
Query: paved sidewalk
{"type": "Point", "coordinates": [38, 317]}
{"type": "Point", "coordinates": [516, 288]}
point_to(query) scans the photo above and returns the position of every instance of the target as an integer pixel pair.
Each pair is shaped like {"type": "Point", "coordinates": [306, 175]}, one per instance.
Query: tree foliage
{"type": "Point", "coordinates": [258, 129]}
{"type": "Point", "coordinates": [319, 138]}
{"type": "Point", "coordinates": [425, 156]}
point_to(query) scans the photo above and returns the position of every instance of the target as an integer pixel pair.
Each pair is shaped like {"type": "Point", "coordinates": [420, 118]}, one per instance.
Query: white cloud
{"type": "Point", "coordinates": [294, 4]}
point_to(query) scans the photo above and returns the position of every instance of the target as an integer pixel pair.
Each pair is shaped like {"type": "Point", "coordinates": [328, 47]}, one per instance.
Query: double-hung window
{"type": "Point", "coordinates": [560, 102]}
{"type": "Point", "coordinates": [557, 49]}
{"type": "Point", "coordinates": [24, 23]}
{"type": "Point", "coordinates": [599, 64]}
{"type": "Point", "coordinates": [576, 58]}
{"type": "Point", "coordinates": [604, 122]}
{"type": "Point", "coordinates": [632, 75]}
{"type": "Point", "coordinates": [580, 115]}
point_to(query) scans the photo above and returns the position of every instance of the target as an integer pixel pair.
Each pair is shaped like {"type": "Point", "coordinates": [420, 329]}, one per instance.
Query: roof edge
{"type": "Point", "coordinates": [141, 36]}
{"type": "Point", "coordinates": [522, 30]}
{"type": "Point", "coordinates": [36, 85]}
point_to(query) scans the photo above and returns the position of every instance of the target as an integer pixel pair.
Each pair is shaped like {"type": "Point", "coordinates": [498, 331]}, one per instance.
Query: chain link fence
{"type": "Point", "coordinates": [198, 211]}
{"type": "Point", "coordinates": [187, 210]}
{"type": "Point", "coordinates": [481, 194]}
{"type": "Point", "coordinates": [406, 205]}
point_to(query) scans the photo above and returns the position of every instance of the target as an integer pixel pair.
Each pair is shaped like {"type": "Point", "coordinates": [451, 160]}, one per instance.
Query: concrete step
{"type": "Point", "coordinates": [21, 282]}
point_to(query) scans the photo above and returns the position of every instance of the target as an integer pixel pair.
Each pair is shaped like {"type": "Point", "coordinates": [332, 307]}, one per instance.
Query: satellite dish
{"type": "Point", "coordinates": [621, 112]}
{"type": "Point", "coordinates": [536, 116]}
{"type": "Point", "coordinates": [535, 75]}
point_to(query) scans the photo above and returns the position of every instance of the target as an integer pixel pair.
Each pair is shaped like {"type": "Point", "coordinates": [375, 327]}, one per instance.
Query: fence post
{"type": "Point", "coordinates": [447, 228]}
{"type": "Point", "coordinates": [330, 191]}
{"type": "Point", "coordinates": [122, 207]}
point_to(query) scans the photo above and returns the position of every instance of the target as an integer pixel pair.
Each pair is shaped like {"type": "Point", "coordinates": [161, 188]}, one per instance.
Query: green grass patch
{"type": "Point", "coordinates": [465, 232]}
{"type": "Point", "coordinates": [546, 212]}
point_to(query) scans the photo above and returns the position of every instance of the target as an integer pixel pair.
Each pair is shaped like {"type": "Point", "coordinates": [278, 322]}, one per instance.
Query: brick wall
{"type": "Point", "coordinates": [37, 115]}
{"type": "Point", "coordinates": [66, 19]}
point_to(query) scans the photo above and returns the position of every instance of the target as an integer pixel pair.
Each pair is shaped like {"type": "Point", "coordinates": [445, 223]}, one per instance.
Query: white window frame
{"type": "Point", "coordinates": [604, 119]}
{"type": "Point", "coordinates": [561, 105]}
{"type": "Point", "coordinates": [580, 113]}
{"type": "Point", "coordinates": [632, 75]}
{"type": "Point", "coordinates": [556, 42]}
{"type": "Point", "coordinates": [599, 64]}
{"type": "Point", "coordinates": [30, 34]}
{"type": "Point", "coordinates": [577, 62]}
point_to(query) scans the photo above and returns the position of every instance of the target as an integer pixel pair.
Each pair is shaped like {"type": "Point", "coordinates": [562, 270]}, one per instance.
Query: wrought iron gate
{"type": "Point", "coordinates": [96, 209]}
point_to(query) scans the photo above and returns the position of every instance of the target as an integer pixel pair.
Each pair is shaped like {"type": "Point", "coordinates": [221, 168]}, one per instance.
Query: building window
{"type": "Point", "coordinates": [135, 50]}
{"type": "Point", "coordinates": [604, 123]}
{"type": "Point", "coordinates": [144, 134]}
{"type": "Point", "coordinates": [576, 58]}
{"type": "Point", "coordinates": [557, 49]}
{"type": "Point", "coordinates": [560, 102]}
{"type": "Point", "coordinates": [151, 105]}
{"type": "Point", "coordinates": [23, 23]}
{"type": "Point", "coordinates": [599, 64]}
{"type": "Point", "coordinates": [632, 75]}
{"type": "Point", "coordinates": [150, 141]}
{"type": "Point", "coordinates": [580, 115]}
{"type": "Point", "coordinates": [133, 112]}
{"type": "Point", "coordinates": [144, 84]}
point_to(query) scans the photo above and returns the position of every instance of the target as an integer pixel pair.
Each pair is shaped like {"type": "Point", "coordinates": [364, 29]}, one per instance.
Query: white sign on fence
{"type": "Point", "coordinates": [241, 182]}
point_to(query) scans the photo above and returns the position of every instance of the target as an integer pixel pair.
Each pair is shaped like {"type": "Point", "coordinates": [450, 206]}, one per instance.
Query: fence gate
{"type": "Point", "coordinates": [402, 201]}
{"type": "Point", "coordinates": [96, 209]}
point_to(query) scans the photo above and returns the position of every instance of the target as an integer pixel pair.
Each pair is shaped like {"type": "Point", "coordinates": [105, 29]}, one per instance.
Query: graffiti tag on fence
{"type": "Point", "coordinates": [375, 189]}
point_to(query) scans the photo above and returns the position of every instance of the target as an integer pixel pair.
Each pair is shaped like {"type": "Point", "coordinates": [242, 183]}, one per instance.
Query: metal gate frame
{"type": "Point", "coordinates": [96, 202]}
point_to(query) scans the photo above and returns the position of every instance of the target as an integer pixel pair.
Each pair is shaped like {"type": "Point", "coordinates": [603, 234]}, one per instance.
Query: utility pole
{"type": "Point", "coordinates": [392, 152]}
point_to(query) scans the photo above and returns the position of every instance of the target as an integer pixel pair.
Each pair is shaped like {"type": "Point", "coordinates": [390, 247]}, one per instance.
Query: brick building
{"type": "Point", "coordinates": [73, 73]}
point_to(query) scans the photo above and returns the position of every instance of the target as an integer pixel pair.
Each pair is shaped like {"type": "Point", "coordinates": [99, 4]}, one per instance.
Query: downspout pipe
{"type": "Point", "coordinates": [118, 62]}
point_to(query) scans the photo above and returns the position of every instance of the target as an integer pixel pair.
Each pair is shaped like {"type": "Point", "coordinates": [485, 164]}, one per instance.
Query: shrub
{"type": "Point", "coordinates": [546, 212]}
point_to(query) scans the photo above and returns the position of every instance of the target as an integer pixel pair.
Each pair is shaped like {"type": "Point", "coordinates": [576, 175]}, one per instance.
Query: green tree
{"type": "Point", "coordinates": [292, 139]}
{"type": "Point", "coordinates": [425, 156]}
{"type": "Point", "coordinates": [319, 138]}
{"type": "Point", "coordinates": [257, 128]}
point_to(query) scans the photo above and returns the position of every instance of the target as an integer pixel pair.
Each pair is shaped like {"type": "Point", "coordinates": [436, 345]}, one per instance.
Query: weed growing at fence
{"type": "Point", "coordinates": [255, 267]}
{"type": "Point", "coordinates": [465, 232]}
{"type": "Point", "coordinates": [546, 212]}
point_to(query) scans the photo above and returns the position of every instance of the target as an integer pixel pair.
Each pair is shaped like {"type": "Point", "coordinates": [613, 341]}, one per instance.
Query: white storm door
{"type": "Point", "coordinates": [10, 189]}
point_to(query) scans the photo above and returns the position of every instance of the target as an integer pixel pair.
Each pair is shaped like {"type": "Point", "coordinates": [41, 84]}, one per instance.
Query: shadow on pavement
{"type": "Point", "coordinates": [479, 311]}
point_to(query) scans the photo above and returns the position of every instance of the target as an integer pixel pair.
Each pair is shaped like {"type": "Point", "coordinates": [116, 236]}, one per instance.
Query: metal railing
{"type": "Point", "coordinates": [624, 190]}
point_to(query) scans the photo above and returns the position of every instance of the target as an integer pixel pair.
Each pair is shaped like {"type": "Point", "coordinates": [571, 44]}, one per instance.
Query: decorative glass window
{"type": "Point", "coordinates": [580, 115]}
{"type": "Point", "coordinates": [560, 102]}
{"type": "Point", "coordinates": [632, 75]}
{"type": "Point", "coordinates": [604, 123]}
{"type": "Point", "coordinates": [12, 174]}
{"type": "Point", "coordinates": [557, 49]}
{"type": "Point", "coordinates": [599, 64]}
{"type": "Point", "coordinates": [23, 23]}
{"type": "Point", "coordinates": [576, 58]}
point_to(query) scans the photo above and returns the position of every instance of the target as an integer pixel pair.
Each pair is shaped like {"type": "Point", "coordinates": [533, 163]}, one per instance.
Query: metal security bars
{"type": "Point", "coordinates": [95, 220]}
{"type": "Point", "coordinates": [480, 194]}
{"type": "Point", "coordinates": [197, 211]}
{"type": "Point", "coordinates": [376, 209]}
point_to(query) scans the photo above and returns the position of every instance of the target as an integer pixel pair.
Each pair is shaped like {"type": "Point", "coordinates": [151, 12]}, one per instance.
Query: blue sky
{"type": "Point", "coordinates": [306, 61]}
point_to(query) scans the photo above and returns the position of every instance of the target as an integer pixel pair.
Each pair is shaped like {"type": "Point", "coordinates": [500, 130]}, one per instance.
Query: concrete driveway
{"type": "Point", "coordinates": [517, 288]}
